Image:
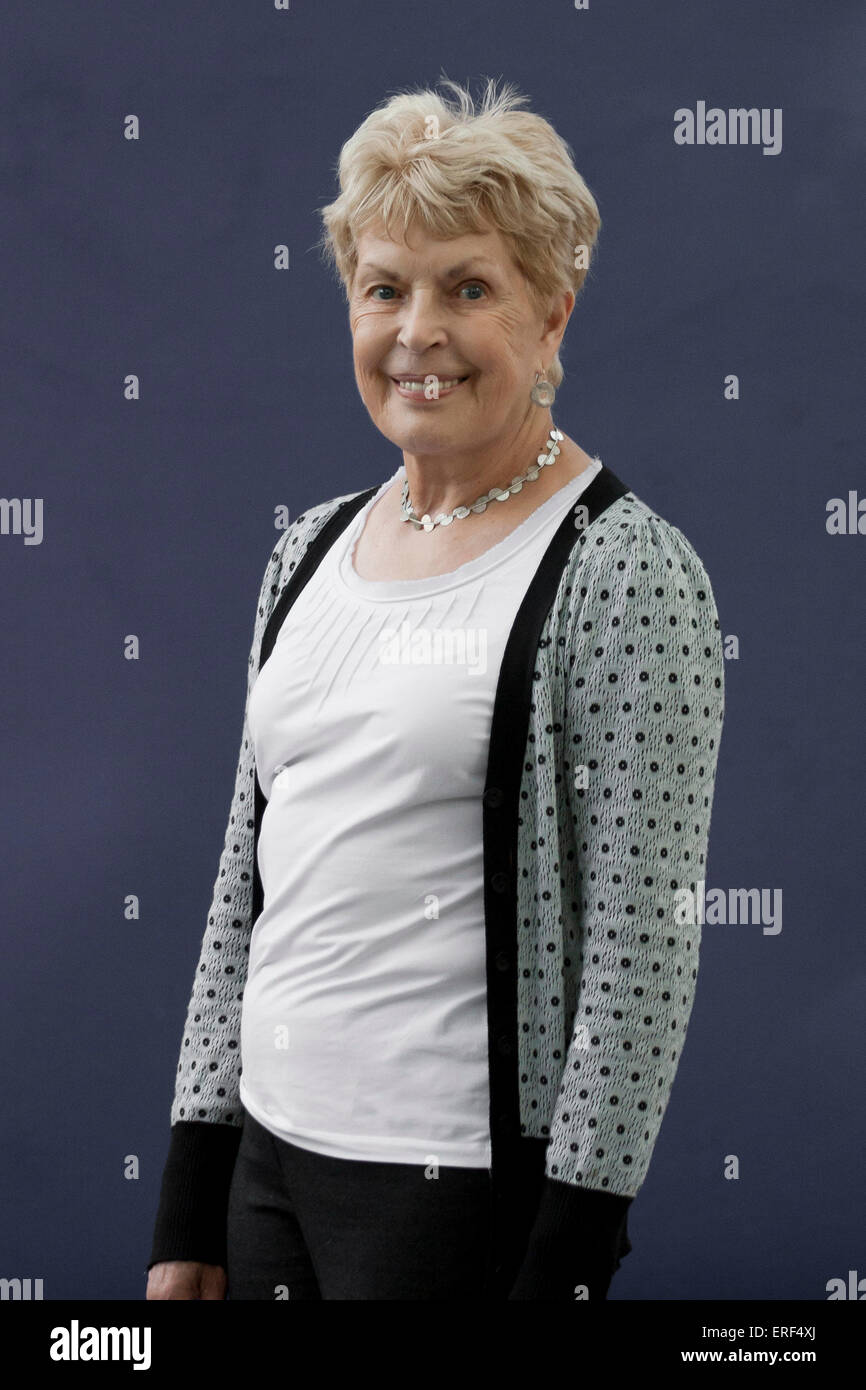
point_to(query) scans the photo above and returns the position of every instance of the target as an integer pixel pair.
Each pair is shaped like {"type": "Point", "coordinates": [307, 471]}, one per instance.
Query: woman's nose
{"type": "Point", "coordinates": [420, 323]}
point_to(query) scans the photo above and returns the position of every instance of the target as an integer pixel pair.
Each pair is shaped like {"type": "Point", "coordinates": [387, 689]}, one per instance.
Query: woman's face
{"type": "Point", "coordinates": [458, 308]}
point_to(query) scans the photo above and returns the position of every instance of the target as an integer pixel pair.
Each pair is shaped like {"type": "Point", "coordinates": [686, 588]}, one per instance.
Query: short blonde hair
{"type": "Point", "coordinates": [459, 170]}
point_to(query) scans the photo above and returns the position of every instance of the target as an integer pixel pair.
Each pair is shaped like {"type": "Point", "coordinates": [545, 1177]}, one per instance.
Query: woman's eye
{"type": "Point", "coordinates": [389, 289]}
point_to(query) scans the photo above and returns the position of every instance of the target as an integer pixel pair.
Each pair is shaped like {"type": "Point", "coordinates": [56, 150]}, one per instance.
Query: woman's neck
{"type": "Point", "coordinates": [440, 482]}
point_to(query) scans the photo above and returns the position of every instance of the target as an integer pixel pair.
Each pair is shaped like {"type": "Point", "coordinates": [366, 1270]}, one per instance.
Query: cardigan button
{"type": "Point", "coordinates": [499, 882]}
{"type": "Point", "coordinates": [493, 797]}
{"type": "Point", "coordinates": [502, 960]}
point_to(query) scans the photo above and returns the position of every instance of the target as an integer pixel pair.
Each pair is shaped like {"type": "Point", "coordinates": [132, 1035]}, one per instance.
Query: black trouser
{"type": "Point", "coordinates": [304, 1225]}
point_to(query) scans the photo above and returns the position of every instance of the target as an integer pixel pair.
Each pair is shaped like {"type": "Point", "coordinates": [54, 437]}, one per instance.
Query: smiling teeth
{"type": "Point", "coordinates": [420, 385]}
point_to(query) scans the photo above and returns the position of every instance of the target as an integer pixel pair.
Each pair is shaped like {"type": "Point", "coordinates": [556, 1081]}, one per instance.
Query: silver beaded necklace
{"type": "Point", "coordinates": [497, 493]}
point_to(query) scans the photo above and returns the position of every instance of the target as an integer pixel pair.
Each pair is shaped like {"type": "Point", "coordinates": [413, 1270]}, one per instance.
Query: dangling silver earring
{"type": "Point", "coordinates": [543, 392]}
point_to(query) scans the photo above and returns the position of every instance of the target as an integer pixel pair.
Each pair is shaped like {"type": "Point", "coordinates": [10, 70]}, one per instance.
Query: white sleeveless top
{"type": "Point", "coordinates": [364, 1023]}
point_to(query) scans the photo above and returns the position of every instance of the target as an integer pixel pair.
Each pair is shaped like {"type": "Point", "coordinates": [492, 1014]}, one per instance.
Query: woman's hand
{"type": "Point", "coordinates": [185, 1279]}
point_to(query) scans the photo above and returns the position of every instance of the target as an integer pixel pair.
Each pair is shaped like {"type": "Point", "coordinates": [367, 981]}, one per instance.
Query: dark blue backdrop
{"type": "Point", "coordinates": [155, 257]}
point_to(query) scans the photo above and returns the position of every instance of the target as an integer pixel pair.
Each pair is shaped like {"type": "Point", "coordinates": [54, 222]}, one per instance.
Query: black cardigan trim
{"type": "Point", "coordinates": [193, 1203]}
{"type": "Point", "coordinates": [303, 572]}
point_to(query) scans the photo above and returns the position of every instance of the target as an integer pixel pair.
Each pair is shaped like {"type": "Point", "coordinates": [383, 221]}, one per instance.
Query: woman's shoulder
{"type": "Point", "coordinates": [631, 552]}
{"type": "Point", "coordinates": [315, 517]}
{"type": "Point", "coordinates": [300, 532]}
{"type": "Point", "coordinates": [630, 532]}
{"type": "Point", "coordinates": [292, 544]}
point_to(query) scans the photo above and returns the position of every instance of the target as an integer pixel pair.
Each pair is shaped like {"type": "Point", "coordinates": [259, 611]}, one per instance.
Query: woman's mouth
{"type": "Point", "coordinates": [424, 389]}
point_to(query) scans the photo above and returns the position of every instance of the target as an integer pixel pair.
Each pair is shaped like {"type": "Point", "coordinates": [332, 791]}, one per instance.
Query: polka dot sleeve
{"type": "Point", "coordinates": [208, 1070]}
{"type": "Point", "coordinates": [207, 1085]}
{"type": "Point", "coordinates": [643, 680]}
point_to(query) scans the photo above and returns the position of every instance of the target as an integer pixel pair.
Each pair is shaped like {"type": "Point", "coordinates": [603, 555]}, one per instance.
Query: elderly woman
{"type": "Point", "coordinates": [453, 938]}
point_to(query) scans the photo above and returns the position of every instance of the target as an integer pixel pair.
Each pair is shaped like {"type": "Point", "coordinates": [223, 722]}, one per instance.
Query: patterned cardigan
{"type": "Point", "coordinates": [596, 814]}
